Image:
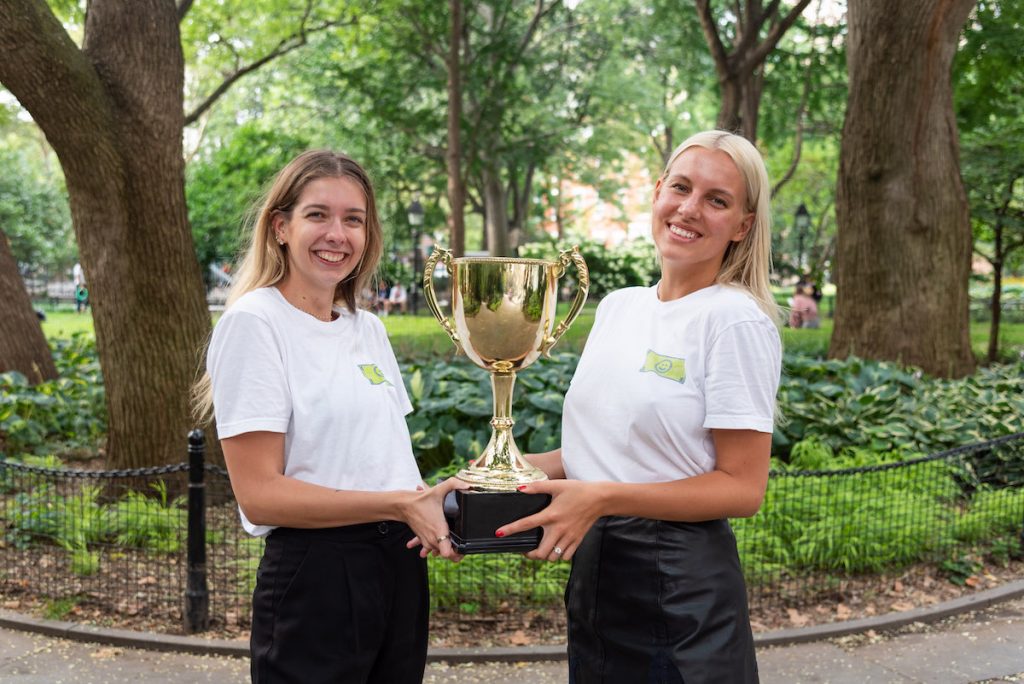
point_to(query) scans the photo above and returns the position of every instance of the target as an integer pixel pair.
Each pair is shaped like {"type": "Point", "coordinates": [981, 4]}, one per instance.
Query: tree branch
{"type": "Point", "coordinates": [760, 53]}
{"type": "Point", "coordinates": [714, 41]}
{"type": "Point", "coordinates": [286, 45]}
{"type": "Point", "coordinates": [183, 7]}
{"type": "Point", "coordinates": [539, 13]}
{"type": "Point", "coordinates": [54, 81]}
{"type": "Point", "coordinates": [800, 123]}
{"type": "Point", "coordinates": [983, 255]}
{"type": "Point", "coordinates": [431, 49]}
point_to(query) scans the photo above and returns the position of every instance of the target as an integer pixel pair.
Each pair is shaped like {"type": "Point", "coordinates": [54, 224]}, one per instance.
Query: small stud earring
{"type": "Point", "coordinates": [280, 241]}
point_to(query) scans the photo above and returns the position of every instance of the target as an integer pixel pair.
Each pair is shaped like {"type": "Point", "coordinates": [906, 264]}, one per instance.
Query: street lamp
{"type": "Point", "coordinates": [801, 221]}
{"type": "Point", "coordinates": [416, 221]}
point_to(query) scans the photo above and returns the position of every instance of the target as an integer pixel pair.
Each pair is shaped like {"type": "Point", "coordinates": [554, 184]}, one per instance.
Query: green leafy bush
{"type": "Point", "coordinates": [883, 406]}
{"type": "Point", "coordinates": [453, 401]}
{"type": "Point", "coordinates": [633, 263]}
{"type": "Point", "coordinates": [485, 581]}
{"type": "Point", "coordinates": [886, 516]}
{"type": "Point", "coordinates": [78, 521]}
{"type": "Point", "coordinates": [67, 413]}
{"type": "Point", "coordinates": [149, 522]}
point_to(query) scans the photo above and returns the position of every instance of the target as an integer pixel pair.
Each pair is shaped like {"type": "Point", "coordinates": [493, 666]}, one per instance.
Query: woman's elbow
{"type": "Point", "coordinates": [747, 510]}
{"type": "Point", "coordinates": [253, 512]}
{"type": "Point", "coordinates": [749, 503]}
{"type": "Point", "coordinates": [256, 508]}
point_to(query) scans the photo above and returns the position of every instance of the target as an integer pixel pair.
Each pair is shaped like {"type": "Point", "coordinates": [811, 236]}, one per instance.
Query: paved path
{"type": "Point", "coordinates": [987, 646]}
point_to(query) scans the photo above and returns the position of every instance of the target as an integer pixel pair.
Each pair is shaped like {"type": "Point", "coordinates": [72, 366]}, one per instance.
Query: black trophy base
{"type": "Point", "coordinates": [474, 516]}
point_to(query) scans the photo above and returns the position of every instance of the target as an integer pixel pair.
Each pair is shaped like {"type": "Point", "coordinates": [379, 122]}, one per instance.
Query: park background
{"type": "Point", "coordinates": [135, 136]}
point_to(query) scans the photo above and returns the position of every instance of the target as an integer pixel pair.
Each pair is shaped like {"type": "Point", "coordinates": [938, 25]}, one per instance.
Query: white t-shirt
{"type": "Point", "coordinates": [655, 377]}
{"type": "Point", "coordinates": [334, 390]}
{"type": "Point", "coordinates": [398, 294]}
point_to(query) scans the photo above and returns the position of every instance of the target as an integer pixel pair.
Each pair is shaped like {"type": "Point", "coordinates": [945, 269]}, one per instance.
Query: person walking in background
{"type": "Point", "coordinates": [666, 433]}
{"type": "Point", "coordinates": [310, 409]}
{"type": "Point", "coordinates": [81, 291]}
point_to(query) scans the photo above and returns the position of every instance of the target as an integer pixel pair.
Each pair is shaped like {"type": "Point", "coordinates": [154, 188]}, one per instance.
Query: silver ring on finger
{"type": "Point", "coordinates": [559, 551]}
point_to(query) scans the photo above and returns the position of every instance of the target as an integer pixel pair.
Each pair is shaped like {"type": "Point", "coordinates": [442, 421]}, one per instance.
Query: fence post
{"type": "Point", "coordinates": [197, 597]}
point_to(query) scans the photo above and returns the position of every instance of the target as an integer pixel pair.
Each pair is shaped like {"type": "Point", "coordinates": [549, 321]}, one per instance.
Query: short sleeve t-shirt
{"type": "Point", "coordinates": [334, 389]}
{"type": "Point", "coordinates": [656, 377]}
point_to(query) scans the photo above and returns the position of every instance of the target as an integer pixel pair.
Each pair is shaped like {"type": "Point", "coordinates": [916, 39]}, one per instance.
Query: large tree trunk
{"type": "Point", "coordinates": [741, 102]}
{"type": "Point", "coordinates": [495, 213]}
{"type": "Point", "coordinates": [23, 347]}
{"type": "Point", "coordinates": [112, 111]}
{"type": "Point", "coordinates": [904, 242]}
{"type": "Point", "coordinates": [521, 194]}
{"type": "Point", "coordinates": [453, 155]}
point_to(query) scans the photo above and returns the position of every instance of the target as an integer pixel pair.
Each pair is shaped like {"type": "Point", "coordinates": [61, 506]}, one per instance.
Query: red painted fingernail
{"type": "Point", "coordinates": [521, 487]}
{"type": "Point", "coordinates": [499, 533]}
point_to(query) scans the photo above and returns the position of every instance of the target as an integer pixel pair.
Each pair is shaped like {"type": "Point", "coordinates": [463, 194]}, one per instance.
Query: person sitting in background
{"type": "Point", "coordinates": [804, 311]}
{"type": "Point", "coordinates": [381, 302]}
{"type": "Point", "coordinates": [398, 298]}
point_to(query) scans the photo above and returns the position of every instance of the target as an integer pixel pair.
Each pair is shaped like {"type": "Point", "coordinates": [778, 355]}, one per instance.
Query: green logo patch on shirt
{"type": "Point", "coordinates": [666, 366]}
{"type": "Point", "coordinates": [373, 373]}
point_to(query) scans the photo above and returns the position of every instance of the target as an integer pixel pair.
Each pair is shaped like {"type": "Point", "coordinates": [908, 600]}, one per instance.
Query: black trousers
{"type": "Point", "coordinates": [656, 602]}
{"type": "Point", "coordinates": [339, 605]}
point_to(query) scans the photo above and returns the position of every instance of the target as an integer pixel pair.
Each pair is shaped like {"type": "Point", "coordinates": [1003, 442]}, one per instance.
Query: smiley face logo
{"type": "Point", "coordinates": [668, 367]}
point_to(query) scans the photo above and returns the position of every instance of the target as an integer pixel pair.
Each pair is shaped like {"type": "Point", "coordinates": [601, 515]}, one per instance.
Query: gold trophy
{"type": "Point", "coordinates": [504, 318]}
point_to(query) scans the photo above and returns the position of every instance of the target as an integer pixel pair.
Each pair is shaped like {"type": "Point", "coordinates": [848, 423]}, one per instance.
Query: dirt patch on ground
{"type": "Point", "coordinates": [511, 625]}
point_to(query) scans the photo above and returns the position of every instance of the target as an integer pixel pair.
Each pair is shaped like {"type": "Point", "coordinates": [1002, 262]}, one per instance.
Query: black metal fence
{"type": "Point", "coordinates": [163, 546]}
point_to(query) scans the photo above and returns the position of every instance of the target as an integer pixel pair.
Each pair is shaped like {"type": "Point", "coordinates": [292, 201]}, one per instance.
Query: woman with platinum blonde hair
{"type": "Point", "coordinates": [666, 433]}
{"type": "Point", "coordinates": [310, 410]}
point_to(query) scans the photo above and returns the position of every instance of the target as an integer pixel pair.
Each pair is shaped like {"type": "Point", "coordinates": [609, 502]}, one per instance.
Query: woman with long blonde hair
{"type": "Point", "coordinates": [666, 433]}
{"type": "Point", "coordinates": [310, 409]}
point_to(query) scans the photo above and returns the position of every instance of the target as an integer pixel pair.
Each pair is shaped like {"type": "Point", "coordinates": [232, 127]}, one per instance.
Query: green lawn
{"type": "Point", "coordinates": [421, 336]}
{"type": "Point", "coordinates": [65, 322]}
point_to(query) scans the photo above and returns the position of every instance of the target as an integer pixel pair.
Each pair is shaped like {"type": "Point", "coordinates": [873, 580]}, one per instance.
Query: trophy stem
{"type": "Point", "coordinates": [501, 467]}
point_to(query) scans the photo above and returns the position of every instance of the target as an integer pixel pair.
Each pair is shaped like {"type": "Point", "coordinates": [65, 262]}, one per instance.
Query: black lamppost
{"type": "Point", "coordinates": [416, 222]}
{"type": "Point", "coordinates": [801, 221]}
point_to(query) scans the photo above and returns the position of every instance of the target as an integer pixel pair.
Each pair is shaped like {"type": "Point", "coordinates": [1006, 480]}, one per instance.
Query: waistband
{"type": "Point", "coordinates": [385, 529]}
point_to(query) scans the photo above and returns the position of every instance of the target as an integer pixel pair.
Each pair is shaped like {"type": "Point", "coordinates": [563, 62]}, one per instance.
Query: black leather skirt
{"type": "Point", "coordinates": [658, 602]}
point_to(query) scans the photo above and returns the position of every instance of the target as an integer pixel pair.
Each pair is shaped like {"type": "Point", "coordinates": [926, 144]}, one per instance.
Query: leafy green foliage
{"type": "Point", "coordinates": [451, 423]}
{"type": "Point", "coordinates": [80, 521]}
{"type": "Point", "coordinates": [882, 406]}
{"type": "Point", "coordinates": [873, 520]}
{"type": "Point", "coordinates": [632, 263]}
{"type": "Point", "coordinates": [223, 187]}
{"type": "Point", "coordinates": [34, 213]}
{"type": "Point", "coordinates": [149, 522]}
{"type": "Point", "coordinates": [66, 413]}
{"type": "Point", "coordinates": [59, 609]}
{"type": "Point", "coordinates": [487, 581]}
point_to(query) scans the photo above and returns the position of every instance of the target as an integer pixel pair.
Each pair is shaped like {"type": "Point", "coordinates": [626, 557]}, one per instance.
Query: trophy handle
{"type": "Point", "coordinates": [583, 280]}
{"type": "Point", "coordinates": [445, 257]}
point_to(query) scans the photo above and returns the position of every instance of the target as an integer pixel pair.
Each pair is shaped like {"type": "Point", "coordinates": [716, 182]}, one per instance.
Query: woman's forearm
{"type": "Point", "coordinates": [284, 501]}
{"type": "Point", "coordinates": [709, 496]}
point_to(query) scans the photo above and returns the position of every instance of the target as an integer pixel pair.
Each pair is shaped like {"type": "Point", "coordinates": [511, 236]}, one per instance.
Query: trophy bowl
{"type": "Point", "coordinates": [503, 319]}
